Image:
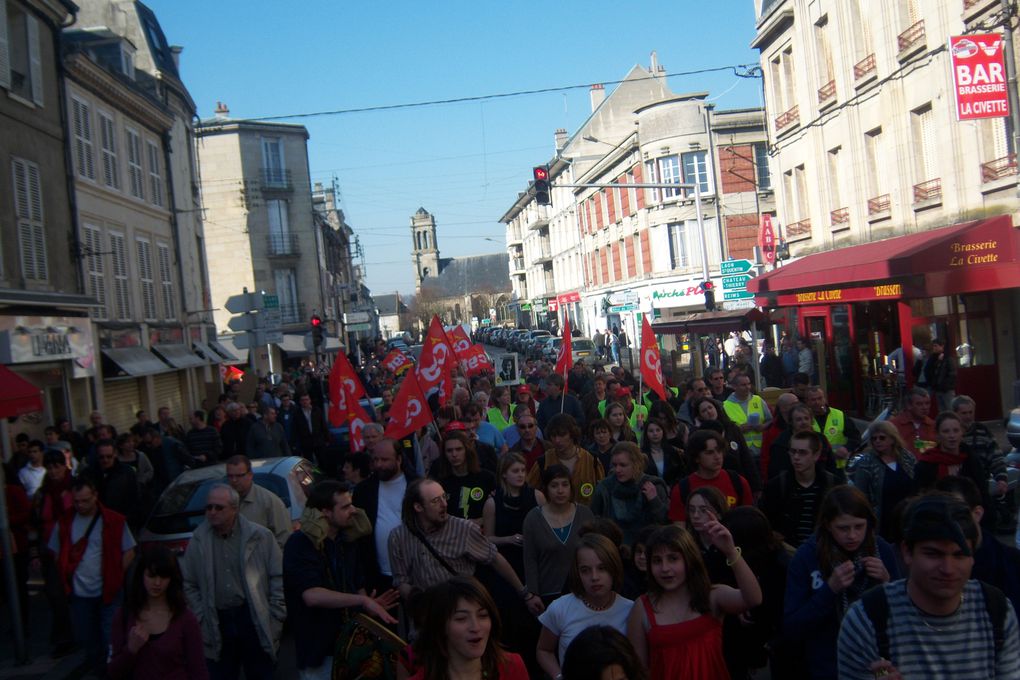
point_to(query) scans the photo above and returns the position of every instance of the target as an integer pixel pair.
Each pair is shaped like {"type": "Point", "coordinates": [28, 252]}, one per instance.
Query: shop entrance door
{"type": "Point", "coordinates": [830, 330]}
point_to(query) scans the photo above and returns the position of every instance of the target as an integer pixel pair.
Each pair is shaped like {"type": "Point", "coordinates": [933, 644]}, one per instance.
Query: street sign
{"type": "Point", "coordinates": [258, 339]}
{"type": "Point", "coordinates": [355, 327]}
{"type": "Point", "coordinates": [735, 267]}
{"type": "Point", "coordinates": [239, 304]}
{"type": "Point", "coordinates": [738, 282]}
{"type": "Point", "coordinates": [245, 322]}
{"type": "Point", "coordinates": [271, 337]}
{"type": "Point", "coordinates": [357, 317]}
{"type": "Point", "coordinates": [270, 301]}
{"type": "Point", "coordinates": [737, 295]}
{"type": "Point", "coordinates": [623, 298]}
{"type": "Point", "coordinates": [738, 304]}
{"type": "Point", "coordinates": [616, 309]}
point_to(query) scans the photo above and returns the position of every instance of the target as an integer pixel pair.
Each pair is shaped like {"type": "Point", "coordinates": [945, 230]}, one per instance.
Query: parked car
{"type": "Point", "coordinates": [532, 344]}
{"type": "Point", "coordinates": [581, 349]}
{"type": "Point", "coordinates": [181, 506]}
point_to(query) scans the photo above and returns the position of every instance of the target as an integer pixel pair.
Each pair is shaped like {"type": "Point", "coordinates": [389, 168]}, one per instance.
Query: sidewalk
{"type": "Point", "coordinates": [40, 663]}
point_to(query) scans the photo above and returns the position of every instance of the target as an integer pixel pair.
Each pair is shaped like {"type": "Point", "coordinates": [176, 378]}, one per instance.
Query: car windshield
{"type": "Point", "coordinates": [579, 344]}
{"type": "Point", "coordinates": [182, 507]}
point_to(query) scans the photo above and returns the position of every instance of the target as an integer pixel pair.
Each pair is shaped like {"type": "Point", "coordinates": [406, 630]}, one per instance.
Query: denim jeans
{"type": "Point", "coordinates": [91, 621]}
{"type": "Point", "coordinates": [240, 648]}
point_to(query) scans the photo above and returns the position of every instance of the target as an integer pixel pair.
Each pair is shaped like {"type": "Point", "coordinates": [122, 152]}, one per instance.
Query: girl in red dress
{"type": "Point", "coordinates": [676, 628]}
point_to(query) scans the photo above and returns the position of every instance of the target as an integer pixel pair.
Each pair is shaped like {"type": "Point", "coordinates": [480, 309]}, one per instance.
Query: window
{"type": "Point", "coordinates": [95, 281]}
{"type": "Point", "coordinates": [679, 246]}
{"type": "Point", "coordinates": [166, 280]}
{"type": "Point", "coordinates": [144, 249]}
{"type": "Point", "coordinates": [81, 114]}
{"type": "Point", "coordinates": [652, 177]}
{"type": "Point", "coordinates": [135, 177]}
{"type": "Point", "coordinates": [108, 140]}
{"type": "Point", "coordinates": [286, 291]}
{"type": "Point", "coordinates": [121, 286]}
{"type": "Point", "coordinates": [631, 194]}
{"type": "Point", "coordinates": [696, 170]}
{"type": "Point", "coordinates": [823, 51]}
{"type": "Point", "coordinates": [923, 128]}
{"type": "Point", "coordinates": [272, 160]}
{"type": "Point", "coordinates": [28, 209]}
{"type": "Point", "coordinates": [604, 203]}
{"type": "Point", "coordinates": [835, 193]}
{"type": "Point", "coordinates": [20, 61]}
{"type": "Point", "coordinates": [279, 229]}
{"type": "Point", "coordinates": [669, 173]}
{"type": "Point", "coordinates": [800, 180]}
{"type": "Point", "coordinates": [761, 166]}
{"type": "Point", "coordinates": [873, 161]}
{"type": "Point", "coordinates": [155, 174]}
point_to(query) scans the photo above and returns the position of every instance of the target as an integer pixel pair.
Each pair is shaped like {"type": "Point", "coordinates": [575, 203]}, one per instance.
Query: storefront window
{"type": "Point", "coordinates": [976, 339]}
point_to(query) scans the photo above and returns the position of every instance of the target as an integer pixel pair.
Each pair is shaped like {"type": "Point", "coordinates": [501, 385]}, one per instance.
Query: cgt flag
{"type": "Point", "coordinates": [435, 365]}
{"type": "Point", "coordinates": [475, 361]}
{"type": "Point", "coordinates": [358, 419]}
{"type": "Point", "coordinates": [651, 365]}
{"type": "Point", "coordinates": [396, 362]}
{"type": "Point", "coordinates": [458, 337]}
{"type": "Point", "coordinates": [563, 359]}
{"type": "Point", "coordinates": [409, 412]}
{"type": "Point", "coordinates": [344, 391]}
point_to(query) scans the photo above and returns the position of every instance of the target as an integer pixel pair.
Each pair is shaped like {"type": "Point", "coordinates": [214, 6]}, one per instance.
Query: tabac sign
{"type": "Point", "coordinates": [979, 76]}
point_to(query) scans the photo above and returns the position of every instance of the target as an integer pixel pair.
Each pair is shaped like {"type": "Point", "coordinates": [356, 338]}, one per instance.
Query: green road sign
{"type": "Point", "coordinates": [735, 267]}
{"type": "Point", "coordinates": [738, 282]}
{"type": "Point", "coordinates": [737, 295]}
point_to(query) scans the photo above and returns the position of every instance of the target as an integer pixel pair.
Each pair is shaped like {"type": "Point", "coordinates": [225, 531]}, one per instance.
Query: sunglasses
{"type": "Point", "coordinates": [879, 437]}
{"type": "Point", "coordinates": [215, 506]}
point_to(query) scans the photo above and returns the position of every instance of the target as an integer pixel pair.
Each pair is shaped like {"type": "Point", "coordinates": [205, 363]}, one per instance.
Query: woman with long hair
{"type": "Point", "coordinates": [676, 432]}
{"type": "Point", "coordinates": [629, 495]}
{"type": "Point", "coordinates": [500, 413]}
{"type": "Point", "coordinates": [154, 634]}
{"type": "Point", "coordinates": [662, 458]}
{"type": "Point", "coordinates": [459, 630]}
{"type": "Point", "coordinates": [596, 577]}
{"type": "Point", "coordinates": [952, 457]}
{"type": "Point", "coordinates": [619, 427]}
{"type": "Point", "coordinates": [462, 476]}
{"type": "Point", "coordinates": [707, 412]}
{"type": "Point", "coordinates": [524, 398]}
{"type": "Point", "coordinates": [832, 570]}
{"type": "Point", "coordinates": [504, 511]}
{"type": "Point", "coordinates": [599, 650]}
{"type": "Point", "coordinates": [218, 417]}
{"type": "Point", "coordinates": [705, 506]}
{"type": "Point", "coordinates": [551, 533]}
{"type": "Point", "coordinates": [884, 473]}
{"type": "Point", "coordinates": [676, 627]}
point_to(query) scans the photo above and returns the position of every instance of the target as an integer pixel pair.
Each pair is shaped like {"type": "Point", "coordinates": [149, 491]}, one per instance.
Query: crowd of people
{"type": "Point", "coordinates": [572, 526]}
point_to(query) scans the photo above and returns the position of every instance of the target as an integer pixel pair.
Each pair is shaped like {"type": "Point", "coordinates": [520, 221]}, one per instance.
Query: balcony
{"type": "Point", "coordinates": [517, 267]}
{"type": "Point", "coordinates": [276, 179]}
{"type": "Point", "coordinates": [999, 168]}
{"type": "Point", "coordinates": [840, 218]}
{"type": "Point", "coordinates": [865, 70]}
{"type": "Point", "coordinates": [283, 245]}
{"type": "Point", "coordinates": [927, 192]}
{"type": "Point", "coordinates": [799, 230]}
{"type": "Point", "coordinates": [879, 205]}
{"type": "Point", "coordinates": [827, 95]}
{"type": "Point", "coordinates": [789, 119]}
{"type": "Point", "coordinates": [544, 255]}
{"type": "Point", "coordinates": [513, 237]}
{"type": "Point", "coordinates": [538, 218]}
{"type": "Point", "coordinates": [293, 313]}
{"type": "Point", "coordinates": [911, 41]}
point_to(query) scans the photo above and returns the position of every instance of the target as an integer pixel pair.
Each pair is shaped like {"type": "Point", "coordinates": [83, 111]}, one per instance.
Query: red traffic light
{"type": "Point", "coordinates": [541, 173]}
{"type": "Point", "coordinates": [316, 321]}
{"type": "Point", "coordinates": [707, 285]}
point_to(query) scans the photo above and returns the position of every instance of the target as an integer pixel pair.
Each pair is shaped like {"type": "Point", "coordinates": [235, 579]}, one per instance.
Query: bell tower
{"type": "Point", "coordinates": [424, 250]}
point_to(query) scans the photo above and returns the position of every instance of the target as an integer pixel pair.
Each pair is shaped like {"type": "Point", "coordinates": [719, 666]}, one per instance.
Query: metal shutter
{"type": "Point", "coordinates": [167, 388]}
{"type": "Point", "coordinates": [121, 399]}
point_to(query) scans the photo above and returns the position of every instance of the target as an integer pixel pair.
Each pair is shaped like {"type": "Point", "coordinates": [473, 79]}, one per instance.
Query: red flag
{"type": "Point", "coordinates": [358, 420]}
{"type": "Point", "coordinates": [396, 362]}
{"type": "Point", "coordinates": [230, 373]}
{"type": "Point", "coordinates": [651, 365]}
{"type": "Point", "coordinates": [476, 361]}
{"type": "Point", "coordinates": [565, 356]}
{"type": "Point", "coordinates": [344, 391]}
{"type": "Point", "coordinates": [410, 411]}
{"type": "Point", "coordinates": [459, 339]}
{"type": "Point", "coordinates": [435, 365]}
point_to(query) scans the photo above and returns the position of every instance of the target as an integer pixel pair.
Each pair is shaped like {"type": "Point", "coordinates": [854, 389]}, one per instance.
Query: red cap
{"type": "Point", "coordinates": [524, 389]}
{"type": "Point", "coordinates": [455, 426]}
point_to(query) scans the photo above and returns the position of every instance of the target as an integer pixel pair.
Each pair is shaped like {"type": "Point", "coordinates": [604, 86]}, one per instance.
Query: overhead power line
{"type": "Point", "coordinates": [739, 70]}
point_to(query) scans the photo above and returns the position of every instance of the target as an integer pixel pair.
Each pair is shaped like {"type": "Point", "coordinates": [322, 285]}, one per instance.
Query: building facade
{"type": "Point", "coordinates": [866, 147]}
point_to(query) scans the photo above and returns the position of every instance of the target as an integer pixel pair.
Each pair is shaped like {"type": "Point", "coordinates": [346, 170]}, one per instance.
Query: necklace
{"type": "Point", "coordinates": [923, 615]}
{"type": "Point", "coordinates": [603, 608]}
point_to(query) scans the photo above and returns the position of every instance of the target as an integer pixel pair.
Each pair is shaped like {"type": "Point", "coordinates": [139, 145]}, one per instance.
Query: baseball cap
{"type": "Point", "coordinates": [524, 389]}
{"type": "Point", "coordinates": [940, 517]}
{"type": "Point", "coordinates": [455, 426]}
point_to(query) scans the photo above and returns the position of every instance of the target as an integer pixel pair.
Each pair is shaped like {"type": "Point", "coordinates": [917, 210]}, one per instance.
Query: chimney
{"type": "Point", "coordinates": [176, 50]}
{"type": "Point", "coordinates": [654, 63]}
{"type": "Point", "coordinates": [221, 110]}
{"type": "Point", "coordinates": [598, 95]}
{"type": "Point", "coordinates": [561, 139]}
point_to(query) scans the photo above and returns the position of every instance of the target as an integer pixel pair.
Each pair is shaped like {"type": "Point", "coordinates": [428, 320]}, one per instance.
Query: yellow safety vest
{"type": "Point", "coordinates": [833, 429]}
{"type": "Point", "coordinates": [495, 417]}
{"type": "Point", "coordinates": [736, 413]}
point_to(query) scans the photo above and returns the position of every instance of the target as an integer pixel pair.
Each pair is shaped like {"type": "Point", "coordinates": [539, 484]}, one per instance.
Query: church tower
{"type": "Point", "coordinates": [425, 251]}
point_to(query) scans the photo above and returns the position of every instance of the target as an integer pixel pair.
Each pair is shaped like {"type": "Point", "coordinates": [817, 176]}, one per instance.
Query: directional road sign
{"type": "Point", "coordinates": [616, 309]}
{"type": "Point", "coordinates": [245, 322]}
{"type": "Point", "coordinates": [735, 267]}
{"type": "Point", "coordinates": [240, 303]}
{"type": "Point", "coordinates": [738, 304]}
{"type": "Point", "coordinates": [737, 295]}
{"type": "Point", "coordinates": [738, 282]}
{"type": "Point", "coordinates": [270, 301]}
{"type": "Point", "coordinates": [258, 339]}
{"type": "Point", "coordinates": [357, 317]}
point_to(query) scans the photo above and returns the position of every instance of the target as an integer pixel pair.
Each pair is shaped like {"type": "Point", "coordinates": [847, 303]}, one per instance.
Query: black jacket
{"type": "Point", "coordinates": [366, 497]}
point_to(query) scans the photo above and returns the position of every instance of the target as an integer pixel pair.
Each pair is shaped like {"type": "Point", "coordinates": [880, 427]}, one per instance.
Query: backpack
{"type": "Point", "coordinates": [684, 486]}
{"type": "Point", "coordinates": [876, 608]}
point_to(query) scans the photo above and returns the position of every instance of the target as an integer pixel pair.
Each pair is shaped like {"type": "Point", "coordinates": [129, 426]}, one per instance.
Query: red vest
{"type": "Point", "coordinates": [112, 559]}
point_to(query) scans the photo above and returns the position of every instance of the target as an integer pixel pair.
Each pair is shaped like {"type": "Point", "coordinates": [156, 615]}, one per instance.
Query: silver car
{"type": "Point", "coordinates": [181, 506]}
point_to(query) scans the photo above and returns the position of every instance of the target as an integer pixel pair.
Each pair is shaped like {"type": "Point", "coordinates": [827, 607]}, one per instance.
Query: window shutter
{"type": "Point", "coordinates": [122, 291]}
{"type": "Point", "coordinates": [96, 274]}
{"type": "Point", "coordinates": [5, 55]}
{"type": "Point", "coordinates": [21, 201]}
{"type": "Point", "coordinates": [166, 281]}
{"type": "Point", "coordinates": [155, 175]}
{"type": "Point", "coordinates": [108, 139]}
{"type": "Point", "coordinates": [145, 275]}
{"type": "Point", "coordinates": [35, 59]}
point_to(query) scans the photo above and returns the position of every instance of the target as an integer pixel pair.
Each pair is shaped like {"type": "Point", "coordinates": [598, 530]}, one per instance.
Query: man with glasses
{"type": "Point", "coordinates": [233, 580]}
{"type": "Point", "coordinates": [717, 384]}
{"type": "Point", "coordinates": [430, 546]}
{"type": "Point", "coordinates": [791, 499]}
{"type": "Point", "coordinates": [258, 505]}
{"type": "Point", "coordinates": [116, 482]}
{"type": "Point", "coordinates": [529, 445]}
{"type": "Point", "coordinates": [749, 411]}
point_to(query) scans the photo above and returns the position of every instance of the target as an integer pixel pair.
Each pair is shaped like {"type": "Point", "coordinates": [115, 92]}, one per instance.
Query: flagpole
{"type": "Point", "coordinates": [641, 364]}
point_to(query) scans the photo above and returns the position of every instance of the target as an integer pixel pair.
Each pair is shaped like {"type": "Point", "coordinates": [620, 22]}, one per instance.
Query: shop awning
{"type": "Point", "coordinates": [17, 396]}
{"type": "Point", "coordinates": [713, 322]}
{"type": "Point", "coordinates": [224, 344]}
{"type": "Point", "coordinates": [970, 256]}
{"type": "Point", "coordinates": [131, 362]}
{"type": "Point", "coordinates": [179, 356]}
{"type": "Point", "coordinates": [206, 352]}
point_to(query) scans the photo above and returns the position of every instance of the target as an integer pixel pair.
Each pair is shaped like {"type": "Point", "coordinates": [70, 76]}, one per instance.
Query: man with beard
{"type": "Point", "coordinates": [380, 497]}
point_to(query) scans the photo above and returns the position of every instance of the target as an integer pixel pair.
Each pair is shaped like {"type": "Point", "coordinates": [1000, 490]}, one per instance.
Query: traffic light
{"type": "Point", "coordinates": [709, 289]}
{"type": "Point", "coordinates": [317, 331]}
{"type": "Point", "coordinates": [542, 189]}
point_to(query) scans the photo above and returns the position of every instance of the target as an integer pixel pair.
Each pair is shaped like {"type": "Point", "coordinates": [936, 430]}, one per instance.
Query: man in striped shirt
{"type": "Point", "coordinates": [937, 623]}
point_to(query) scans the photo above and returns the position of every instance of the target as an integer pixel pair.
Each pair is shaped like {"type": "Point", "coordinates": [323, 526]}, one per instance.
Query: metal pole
{"type": "Point", "coordinates": [1011, 79]}
{"type": "Point", "coordinates": [7, 547]}
{"type": "Point", "coordinates": [701, 231]}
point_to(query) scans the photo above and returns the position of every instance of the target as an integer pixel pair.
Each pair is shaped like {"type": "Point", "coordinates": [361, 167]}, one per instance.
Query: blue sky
{"type": "Point", "coordinates": [463, 162]}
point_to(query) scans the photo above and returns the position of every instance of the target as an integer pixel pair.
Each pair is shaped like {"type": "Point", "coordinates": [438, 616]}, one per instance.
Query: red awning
{"type": "Point", "coordinates": [17, 395]}
{"type": "Point", "coordinates": [971, 256]}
